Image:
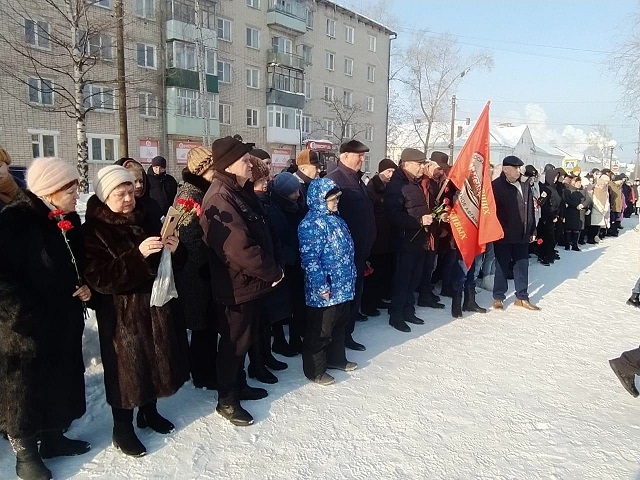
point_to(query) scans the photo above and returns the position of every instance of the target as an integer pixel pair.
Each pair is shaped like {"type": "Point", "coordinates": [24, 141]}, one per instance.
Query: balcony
{"type": "Point", "coordinates": [290, 14]}
{"type": "Point", "coordinates": [286, 59]}
{"type": "Point", "coordinates": [178, 77]}
{"type": "Point", "coordinates": [189, 125]}
{"type": "Point", "coordinates": [177, 30]}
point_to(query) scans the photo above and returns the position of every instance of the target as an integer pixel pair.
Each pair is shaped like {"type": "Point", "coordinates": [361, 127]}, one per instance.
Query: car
{"type": "Point", "coordinates": [19, 173]}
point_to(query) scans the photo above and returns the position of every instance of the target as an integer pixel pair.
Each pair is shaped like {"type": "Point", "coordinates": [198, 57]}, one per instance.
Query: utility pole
{"type": "Point", "coordinates": [453, 128]}
{"type": "Point", "coordinates": [636, 173]}
{"type": "Point", "coordinates": [122, 89]}
{"type": "Point", "coordinates": [202, 76]}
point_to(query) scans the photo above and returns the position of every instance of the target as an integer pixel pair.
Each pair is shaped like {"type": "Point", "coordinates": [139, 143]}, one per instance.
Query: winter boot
{"type": "Point", "coordinates": [245, 392]}
{"type": "Point", "coordinates": [54, 444]}
{"type": "Point", "coordinates": [269, 360]}
{"type": "Point", "coordinates": [429, 300]}
{"type": "Point", "coordinates": [231, 409]}
{"type": "Point", "coordinates": [396, 320]}
{"type": "Point", "coordinates": [574, 241]}
{"type": "Point", "coordinates": [148, 416]}
{"type": "Point", "coordinates": [470, 304]}
{"type": "Point", "coordinates": [280, 344]}
{"type": "Point", "coordinates": [634, 301]}
{"type": "Point", "coordinates": [257, 356]}
{"type": "Point", "coordinates": [261, 373]}
{"type": "Point", "coordinates": [124, 438]}
{"type": "Point", "coordinates": [567, 240]}
{"type": "Point", "coordinates": [456, 305]}
{"type": "Point", "coordinates": [29, 465]}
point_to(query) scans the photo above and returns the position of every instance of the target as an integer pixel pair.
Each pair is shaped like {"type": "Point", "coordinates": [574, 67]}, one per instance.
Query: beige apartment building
{"type": "Point", "coordinates": [280, 73]}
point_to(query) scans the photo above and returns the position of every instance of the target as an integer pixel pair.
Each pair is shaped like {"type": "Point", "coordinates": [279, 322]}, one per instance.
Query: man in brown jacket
{"type": "Point", "coordinates": [244, 266]}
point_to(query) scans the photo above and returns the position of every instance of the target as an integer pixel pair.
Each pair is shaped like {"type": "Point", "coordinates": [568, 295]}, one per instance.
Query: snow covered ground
{"type": "Point", "coordinates": [506, 395]}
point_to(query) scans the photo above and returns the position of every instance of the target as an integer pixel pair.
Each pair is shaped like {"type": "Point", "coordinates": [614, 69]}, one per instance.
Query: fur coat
{"type": "Point", "coordinates": [143, 348]}
{"type": "Point", "coordinates": [41, 323]}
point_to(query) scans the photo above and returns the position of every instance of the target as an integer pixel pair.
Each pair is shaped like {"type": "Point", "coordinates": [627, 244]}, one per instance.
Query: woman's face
{"type": "Point", "coordinates": [65, 199]}
{"type": "Point", "coordinates": [4, 170]}
{"type": "Point", "coordinates": [138, 185]}
{"type": "Point", "coordinates": [122, 199]}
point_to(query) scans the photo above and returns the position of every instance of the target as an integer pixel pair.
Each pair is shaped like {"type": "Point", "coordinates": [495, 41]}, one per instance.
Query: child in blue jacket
{"type": "Point", "coordinates": [326, 251]}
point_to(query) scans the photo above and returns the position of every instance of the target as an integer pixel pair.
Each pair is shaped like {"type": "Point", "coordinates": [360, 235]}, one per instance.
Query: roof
{"type": "Point", "coordinates": [359, 16]}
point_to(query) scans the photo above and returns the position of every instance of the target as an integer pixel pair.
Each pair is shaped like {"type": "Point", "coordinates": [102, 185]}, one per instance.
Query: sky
{"type": "Point", "coordinates": [551, 61]}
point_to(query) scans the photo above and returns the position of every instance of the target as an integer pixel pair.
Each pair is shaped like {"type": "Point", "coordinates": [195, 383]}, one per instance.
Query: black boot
{"type": "Point", "coordinates": [245, 392]}
{"type": "Point", "coordinates": [124, 438]}
{"type": "Point", "coordinates": [574, 241]}
{"type": "Point", "coordinates": [258, 354]}
{"type": "Point", "coordinates": [54, 444]}
{"type": "Point", "coordinates": [269, 360]}
{"type": "Point", "coordinates": [29, 465]}
{"type": "Point", "coordinates": [470, 304]}
{"type": "Point", "coordinates": [429, 300]}
{"type": "Point", "coordinates": [456, 305]}
{"type": "Point", "coordinates": [233, 411]}
{"type": "Point", "coordinates": [261, 374]}
{"type": "Point", "coordinates": [396, 320]}
{"type": "Point", "coordinates": [148, 416]}
{"type": "Point", "coordinates": [280, 344]}
{"type": "Point", "coordinates": [567, 240]}
{"type": "Point", "coordinates": [446, 291]}
{"type": "Point", "coordinates": [634, 301]}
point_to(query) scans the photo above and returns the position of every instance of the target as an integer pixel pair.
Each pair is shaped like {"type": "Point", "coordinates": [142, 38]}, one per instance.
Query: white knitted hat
{"type": "Point", "coordinates": [108, 178]}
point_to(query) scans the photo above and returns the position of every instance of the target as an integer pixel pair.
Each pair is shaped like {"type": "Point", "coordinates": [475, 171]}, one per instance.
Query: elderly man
{"type": "Point", "coordinates": [515, 209]}
{"type": "Point", "coordinates": [356, 208]}
{"type": "Point", "coordinates": [406, 208]}
{"type": "Point", "coordinates": [308, 168]}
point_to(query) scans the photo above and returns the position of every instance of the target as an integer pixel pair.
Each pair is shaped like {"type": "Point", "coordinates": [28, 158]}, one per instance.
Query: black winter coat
{"type": "Point", "coordinates": [356, 208]}
{"type": "Point", "coordinates": [41, 323]}
{"type": "Point", "coordinates": [516, 213]}
{"type": "Point", "coordinates": [143, 348]}
{"type": "Point", "coordinates": [574, 218]}
{"type": "Point", "coordinates": [384, 242]}
{"type": "Point", "coordinates": [163, 189]}
{"type": "Point", "coordinates": [193, 281]}
{"type": "Point", "coordinates": [551, 202]}
{"type": "Point", "coordinates": [405, 204]}
{"type": "Point", "coordinates": [243, 257]}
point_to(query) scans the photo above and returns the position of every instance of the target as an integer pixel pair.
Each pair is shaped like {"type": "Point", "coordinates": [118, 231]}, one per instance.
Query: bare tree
{"type": "Point", "coordinates": [57, 58]}
{"type": "Point", "coordinates": [625, 65]}
{"type": "Point", "coordinates": [345, 117]}
{"type": "Point", "coordinates": [433, 66]}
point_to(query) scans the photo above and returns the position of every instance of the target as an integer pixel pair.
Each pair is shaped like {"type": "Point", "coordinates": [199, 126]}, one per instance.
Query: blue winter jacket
{"type": "Point", "coordinates": [326, 250]}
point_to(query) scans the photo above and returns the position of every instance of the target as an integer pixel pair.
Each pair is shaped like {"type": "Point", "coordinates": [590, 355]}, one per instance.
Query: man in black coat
{"type": "Point", "coordinates": [406, 209]}
{"type": "Point", "coordinates": [162, 186]}
{"type": "Point", "coordinates": [356, 208]}
{"type": "Point", "coordinates": [515, 209]}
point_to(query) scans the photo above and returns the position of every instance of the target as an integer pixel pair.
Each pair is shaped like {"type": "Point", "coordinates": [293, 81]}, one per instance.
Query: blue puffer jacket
{"type": "Point", "coordinates": [326, 250]}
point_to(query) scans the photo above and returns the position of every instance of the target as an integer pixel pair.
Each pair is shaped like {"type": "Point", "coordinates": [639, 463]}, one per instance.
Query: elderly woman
{"type": "Point", "coordinates": [143, 349]}
{"type": "Point", "coordinates": [41, 317]}
{"type": "Point", "coordinates": [141, 189]}
{"type": "Point", "coordinates": [8, 187]}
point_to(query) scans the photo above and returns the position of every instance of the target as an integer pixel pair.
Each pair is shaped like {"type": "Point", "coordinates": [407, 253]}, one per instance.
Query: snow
{"type": "Point", "coordinates": [506, 395]}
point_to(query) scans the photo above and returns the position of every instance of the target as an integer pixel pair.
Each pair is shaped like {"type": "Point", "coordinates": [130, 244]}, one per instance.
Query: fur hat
{"type": "Point", "coordinates": [199, 160]}
{"type": "Point", "coordinates": [159, 162]}
{"type": "Point", "coordinates": [259, 169]}
{"type": "Point", "coordinates": [47, 175]}
{"type": "Point", "coordinates": [307, 157]}
{"type": "Point", "coordinates": [4, 156]}
{"type": "Point", "coordinates": [285, 184]}
{"type": "Point", "coordinates": [108, 178]}
{"type": "Point", "coordinates": [227, 151]}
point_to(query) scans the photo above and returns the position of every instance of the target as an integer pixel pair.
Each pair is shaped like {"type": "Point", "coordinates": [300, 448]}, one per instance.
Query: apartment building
{"type": "Point", "coordinates": [277, 72]}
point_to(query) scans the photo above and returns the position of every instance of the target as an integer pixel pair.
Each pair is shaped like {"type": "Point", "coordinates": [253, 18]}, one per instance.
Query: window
{"type": "Point", "coordinates": [44, 143]}
{"type": "Point", "coordinates": [348, 130]}
{"type": "Point", "coordinates": [253, 38]}
{"type": "Point", "coordinates": [367, 162]}
{"type": "Point", "coordinates": [224, 29]}
{"type": "Point", "coordinates": [349, 34]}
{"type": "Point", "coordinates": [211, 60]}
{"type": "Point", "coordinates": [102, 3]}
{"type": "Point", "coordinates": [182, 55]}
{"type": "Point", "coordinates": [182, 11]}
{"type": "Point", "coordinates": [368, 133]}
{"type": "Point", "coordinates": [348, 67]}
{"type": "Point", "coordinates": [307, 90]}
{"type": "Point", "coordinates": [330, 61]}
{"type": "Point", "coordinates": [103, 148]}
{"type": "Point", "coordinates": [283, 117]}
{"type": "Point", "coordinates": [40, 91]}
{"type": "Point", "coordinates": [98, 46]}
{"type": "Point", "coordinates": [328, 94]}
{"type": "Point", "coordinates": [253, 78]}
{"type": "Point", "coordinates": [253, 117]}
{"type": "Point", "coordinates": [369, 104]}
{"type": "Point", "coordinates": [306, 54]}
{"type": "Point", "coordinates": [371, 73]}
{"type": "Point", "coordinates": [146, 55]}
{"type": "Point", "coordinates": [224, 113]}
{"type": "Point", "coordinates": [253, 3]}
{"type": "Point", "coordinates": [224, 71]}
{"type": "Point", "coordinates": [285, 79]}
{"type": "Point", "coordinates": [306, 124]}
{"type": "Point", "coordinates": [309, 19]}
{"type": "Point", "coordinates": [282, 44]}
{"type": "Point", "coordinates": [331, 28]}
{"type": "Point", "coordinates": [372, 43]}
{"type": "Point", "coordinates": [347, 98]}
{"type": "Point", "coordinates": [328, 127]}
{"type": "Point", "coordinates": [187, 102]}
{"type": "Point", "coordinates": [148, 104]}
{"type": "Point", "coordinates": [36, 33]}
{"type": "Point", "coordinates": [99, 98]}
{"type": "Point", "coordinates": [144, 8]}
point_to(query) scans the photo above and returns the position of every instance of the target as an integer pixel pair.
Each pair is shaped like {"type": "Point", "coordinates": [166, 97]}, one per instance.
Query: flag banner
{"type": "Point", "coordinates": [473, 218]}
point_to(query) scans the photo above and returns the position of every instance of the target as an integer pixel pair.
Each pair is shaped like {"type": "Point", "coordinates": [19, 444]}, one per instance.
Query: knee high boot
{"type": "Point", "coordinates": [470, 304]}
{"type": "Point", "coordinates": [124, 438]}
{"type": "Point", "coordinates": [29, 465]}
{"type": "Point", "coordinates": [456, 305]}
{"type": "Point", "coordinates": [574, 241]}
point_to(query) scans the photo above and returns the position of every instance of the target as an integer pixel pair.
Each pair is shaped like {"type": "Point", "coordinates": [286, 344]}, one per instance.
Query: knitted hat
{"type": "Point", "coordinates": [228, 150]}
{"type": "Point", "coordinates": [108, 178]}
{"type": "Point", "coordinates": [47, 175]}
{"type": "Point", "coordinates": [285, 184]}
{"type": "Point", "coordinates": [159, 162]}
{"type": "Point", "coordinates": [386, 164]}
{"type": "Point", "coordinates": [259, 153]}
{"type": "Point", "coordinates": [4, 156]}
{"type": "Point", "coordinates": [199, 160]}
{"type": "Point", "coordinates": [307, 157]}
{"type": "Point", "coordinates": [259, 169]}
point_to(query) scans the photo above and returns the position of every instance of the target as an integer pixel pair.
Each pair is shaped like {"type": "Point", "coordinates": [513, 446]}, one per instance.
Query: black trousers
{"type": "Point", "coordinates": [406, 279]}
{"type": "Point", "coordinates": [378, 285]}
{"type": "Point", "coordinates": [324, 338]}
{"type": "Point", "coordinates": [426, 284]}
{"type": "Point", "coordinates": [203, 351]}
{"type": "Point", "coordinates": [547, 232]}
{"type": "Point", "coordinates": [357, 299]}
{"type": "Point", "coordinates": [234, 325]}
{"type": "Point", "coordinates": [295, 283]}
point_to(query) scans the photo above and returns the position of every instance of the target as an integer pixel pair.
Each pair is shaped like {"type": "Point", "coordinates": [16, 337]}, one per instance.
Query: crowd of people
{"type": "Point", "coordinates": [262, 264]}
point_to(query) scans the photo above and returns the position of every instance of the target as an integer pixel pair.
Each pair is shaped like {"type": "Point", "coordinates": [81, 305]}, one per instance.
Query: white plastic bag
{"type": "Point", "coordinates": [164, 287]}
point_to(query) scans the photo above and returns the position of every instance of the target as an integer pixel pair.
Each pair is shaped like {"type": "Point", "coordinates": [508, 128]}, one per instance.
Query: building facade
{"type": "Point", "coordinates": [276, 72]}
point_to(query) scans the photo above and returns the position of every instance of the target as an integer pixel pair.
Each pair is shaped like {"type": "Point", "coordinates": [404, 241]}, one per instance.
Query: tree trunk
{"type": "Point", "coordinates": [122, 88]}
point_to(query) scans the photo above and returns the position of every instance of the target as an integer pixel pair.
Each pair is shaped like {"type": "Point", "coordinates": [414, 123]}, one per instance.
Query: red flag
{"type": "Point", "coordinates": [473, 218]}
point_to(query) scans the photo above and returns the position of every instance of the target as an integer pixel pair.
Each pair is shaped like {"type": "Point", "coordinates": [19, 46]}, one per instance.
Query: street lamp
{"type": "Point", "coordinates": [612, 144]}
{"type": "Point", "coordinates": [453, 115]}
